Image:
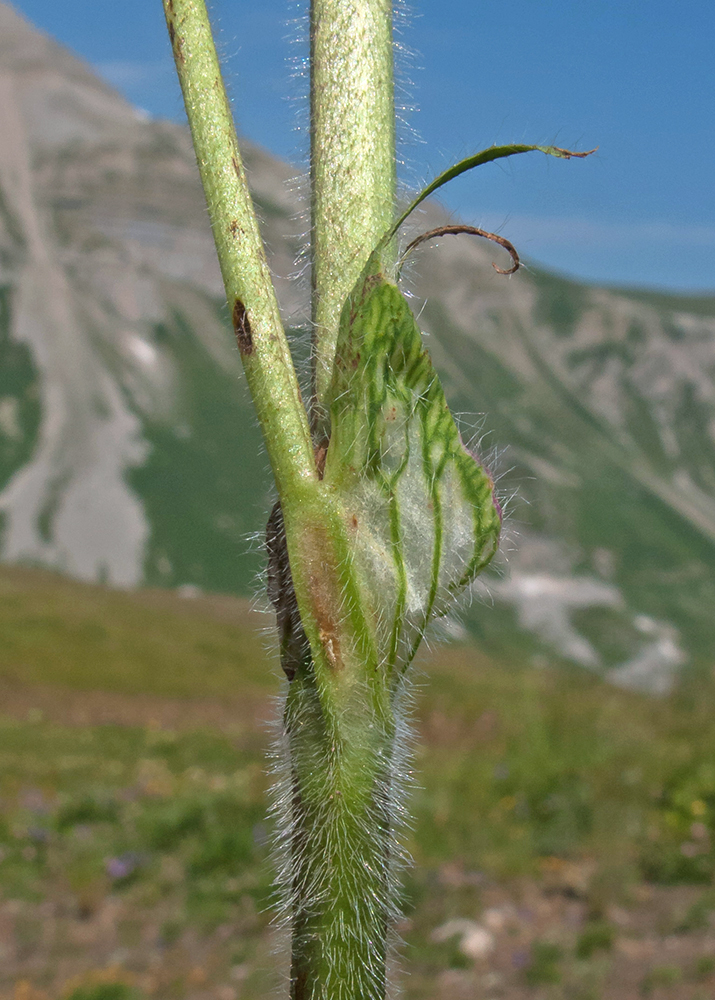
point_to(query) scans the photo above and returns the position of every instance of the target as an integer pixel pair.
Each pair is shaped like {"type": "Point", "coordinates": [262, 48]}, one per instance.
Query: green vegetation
{"type": "Point", "coordinates": [661, 976]}
{"type": "Point", "coordinates": [556, 765]}
{"type": "Point", "coordinates": [596, 936]}
{"type": "Point", "coordinates": [205, 484]}
{"type": "Point", "coordinates": [19, 396]}
{"type": "Point", "coordinates": [537, 791]}
{"type": "Point", "coordinates": [104, 991]}
{"type": "Point", "coordinates": [544, 966]}
{"type": "Point", "coordinates": [561, 302]}
{"type": "Point", "coordinates": [58, 631]}
{"type": "Point", "coordinates": [107, 809]}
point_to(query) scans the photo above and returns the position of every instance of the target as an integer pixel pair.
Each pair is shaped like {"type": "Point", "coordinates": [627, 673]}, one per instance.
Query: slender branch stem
{"type": "Point", "coordinates": [352, 161]}
{"type": "Point", "coordinates": [251, 297]}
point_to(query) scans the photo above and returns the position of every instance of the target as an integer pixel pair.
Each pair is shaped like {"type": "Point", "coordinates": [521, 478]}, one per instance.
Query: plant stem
{"type": "Point", "coordinates": [339, 720]}
{"type": "Point", "coordinates": [352, 161]}
{"type": "Point", "coordinates": [251, 297]}
{"type": "Point", "coordinates": [341, 890]}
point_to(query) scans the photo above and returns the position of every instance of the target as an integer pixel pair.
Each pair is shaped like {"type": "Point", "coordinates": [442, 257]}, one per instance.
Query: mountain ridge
{"type": "Point", "coordinates": [129, 452]}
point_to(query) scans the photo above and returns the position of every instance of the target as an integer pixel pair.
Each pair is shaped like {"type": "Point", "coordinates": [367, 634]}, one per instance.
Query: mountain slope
{"type": "Point", "coordinates": [129, 454]}
{"type": "Point", "coordinates": [607, 402]}
{"type": "Point", "coordinates": [107, 270]}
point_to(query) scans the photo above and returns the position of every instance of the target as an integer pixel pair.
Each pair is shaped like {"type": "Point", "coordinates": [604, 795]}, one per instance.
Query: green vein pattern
{"type": "Point", "coordinates": [419, 508]}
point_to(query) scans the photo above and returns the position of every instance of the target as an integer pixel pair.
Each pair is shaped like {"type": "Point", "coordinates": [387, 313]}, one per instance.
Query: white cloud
{"type": "Point", "coordinates": [124, 73]}
{"type": "Point", "coordinates": [558, 230]}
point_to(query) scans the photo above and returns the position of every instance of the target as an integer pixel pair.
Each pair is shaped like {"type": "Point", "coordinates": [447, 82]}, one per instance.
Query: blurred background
{"type": "Point", "coordinates": [566, 779]}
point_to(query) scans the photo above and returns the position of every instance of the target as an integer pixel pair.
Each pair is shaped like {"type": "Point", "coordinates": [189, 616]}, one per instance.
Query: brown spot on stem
{"type": "Point", "coordinates": [326, 614]}
{"type": "Point", "coordinates": [177, 43]}
{"type": "Point", "coordinates": [331, 647]}
{"type": "Point", "coordinates": [242, 328]}
{"type": "Point", "coordinates": [234, 227]}
{"type": "Point", "coordinates": [236, 167]}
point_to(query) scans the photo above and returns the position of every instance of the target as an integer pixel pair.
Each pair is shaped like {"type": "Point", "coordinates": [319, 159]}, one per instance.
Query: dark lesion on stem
{"type": "Point", "coordinates": [242, 328]}
{"type": "Point", "coordinates": [320, 451]}
{"type": "Point", "coordinates": [177, 42]}
{"type": "Point", "coordinates": [294, 645]}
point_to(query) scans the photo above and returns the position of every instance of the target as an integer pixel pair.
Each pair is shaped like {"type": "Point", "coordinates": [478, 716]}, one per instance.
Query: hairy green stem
{"type": "Point", "coordinates": [342, 875]}
{"type": "Point", "coordinates": [361, 554]}
{"type": "Point", "coordinates": [339, 720]}
{"type": "Point", "coordinates": [251, 297]}
{"type": "Point", "coordinates": [339, 725]}
{"type": "Point", "coordinates": [339, 716]}
{"type": "Point", "coordinates": [352, 160]}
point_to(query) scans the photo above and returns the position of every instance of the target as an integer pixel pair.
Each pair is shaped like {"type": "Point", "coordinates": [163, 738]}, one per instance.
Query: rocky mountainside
{"type": "Point", "coordinates": [129, 454]}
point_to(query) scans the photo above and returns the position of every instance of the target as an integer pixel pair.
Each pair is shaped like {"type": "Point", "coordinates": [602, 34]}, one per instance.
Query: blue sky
{"type": "Point", "coordinates": [634, 77]}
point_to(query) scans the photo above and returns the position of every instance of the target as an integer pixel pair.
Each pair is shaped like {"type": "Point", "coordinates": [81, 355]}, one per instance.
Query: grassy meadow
{"type": "Point", "coordinates": [562, 837]}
